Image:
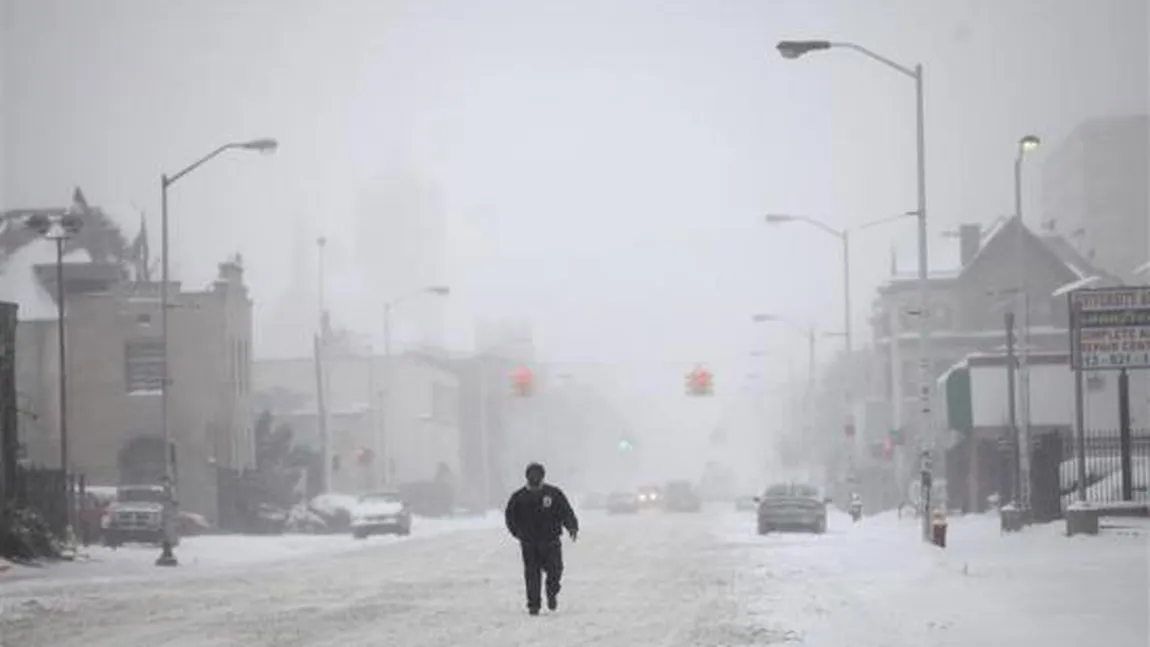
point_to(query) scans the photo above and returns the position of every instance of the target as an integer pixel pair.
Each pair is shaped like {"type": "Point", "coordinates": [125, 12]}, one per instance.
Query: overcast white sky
{"type": "Point", "coordinates": [599, 168]}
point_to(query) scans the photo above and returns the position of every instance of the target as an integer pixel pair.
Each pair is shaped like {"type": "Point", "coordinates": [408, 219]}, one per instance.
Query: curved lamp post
{"type": "Point", "coordinates": [167, 558]}
{"type": "Point", "coordinates": [793, 49]}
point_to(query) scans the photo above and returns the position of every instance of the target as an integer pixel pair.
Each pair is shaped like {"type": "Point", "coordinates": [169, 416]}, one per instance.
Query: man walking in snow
{"type": "Point", "coordinates": [536, 515]}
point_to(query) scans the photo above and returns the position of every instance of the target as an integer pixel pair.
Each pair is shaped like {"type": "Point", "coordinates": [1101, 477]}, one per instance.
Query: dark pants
{"type": "Point", "coordinates": [538, 559]}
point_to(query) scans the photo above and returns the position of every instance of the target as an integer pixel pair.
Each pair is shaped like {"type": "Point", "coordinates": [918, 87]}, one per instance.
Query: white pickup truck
{"type": "Point", "coordinates": [137, 515]}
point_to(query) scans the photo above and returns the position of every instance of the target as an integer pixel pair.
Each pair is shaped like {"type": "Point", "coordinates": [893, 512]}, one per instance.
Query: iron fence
{"type": "Point", "coordinates": [51, 493]}
{"type": "Point", "coordinates": [1104, 466]}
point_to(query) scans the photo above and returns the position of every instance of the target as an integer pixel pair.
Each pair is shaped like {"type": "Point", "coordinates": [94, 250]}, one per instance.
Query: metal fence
{"type": "Point", "coordinates": [51, 493]}
{"type": "Point", "coordinates": [1112, 474]}
{"type": "Point", "coordinates": [1104, 466]}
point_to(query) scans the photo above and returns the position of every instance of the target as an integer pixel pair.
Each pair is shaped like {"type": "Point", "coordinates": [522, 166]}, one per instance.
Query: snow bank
{"type": "Point", "coordinates": [223, 552]}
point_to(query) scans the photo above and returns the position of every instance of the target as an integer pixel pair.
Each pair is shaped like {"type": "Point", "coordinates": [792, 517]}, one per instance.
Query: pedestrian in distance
{"type": "Point", "coordinates": [536, 516]}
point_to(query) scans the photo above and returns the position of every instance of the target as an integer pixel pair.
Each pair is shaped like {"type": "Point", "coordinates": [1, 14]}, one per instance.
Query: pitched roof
{"type": "Point", "coordinates": [1074, 262]}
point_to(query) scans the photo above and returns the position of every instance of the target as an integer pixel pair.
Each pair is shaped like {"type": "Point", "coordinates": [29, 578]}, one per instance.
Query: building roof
{"type": "Point", "coordinates": [100, 239]}
{"type": "Point", "coordinates": [1077, 264]}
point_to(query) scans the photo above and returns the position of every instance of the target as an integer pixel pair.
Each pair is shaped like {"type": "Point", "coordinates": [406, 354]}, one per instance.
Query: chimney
{"type": "Point", "coordinates": [969, 242]}
{"type": "Point", "coordinates": [231, 274]}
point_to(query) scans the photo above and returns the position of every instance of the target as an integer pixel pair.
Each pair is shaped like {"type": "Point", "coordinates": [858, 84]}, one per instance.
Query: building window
{"type": "Point", "coordinates": [144, 365]}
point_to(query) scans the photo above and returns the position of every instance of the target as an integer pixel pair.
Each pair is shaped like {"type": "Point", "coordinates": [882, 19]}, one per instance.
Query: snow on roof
{"type": "Point", "coordinates": [19, 284]}
{"type": "Point", "coordinates": [1073, 259]}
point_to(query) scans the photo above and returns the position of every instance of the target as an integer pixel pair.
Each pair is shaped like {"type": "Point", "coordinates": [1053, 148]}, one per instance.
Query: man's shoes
{"type": "Point", "coordinates": [552, 602]}
{"type": "Point", "coordinates": [533, 611]}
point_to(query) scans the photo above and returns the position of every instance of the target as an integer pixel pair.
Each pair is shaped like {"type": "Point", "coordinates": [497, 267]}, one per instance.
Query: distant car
{"type": "Point", "coordinates": [680, 496]}
{"type": "Point", "coordinates": [747, 503]}
{"type": "Point", "coordinates": [792, 506]}
{"type": "Point", "coordinates": [379, 513]}
{"type": "Point", "coordinates": [650, 496]}
{"type": "Point", "coordinates": [622, 503]}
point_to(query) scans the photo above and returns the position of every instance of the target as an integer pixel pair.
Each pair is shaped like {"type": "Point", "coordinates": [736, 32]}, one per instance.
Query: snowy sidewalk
{"type": "Point", "coordinates": [215, 552]}
{"type": "Point", "coordinates": [877, 584]}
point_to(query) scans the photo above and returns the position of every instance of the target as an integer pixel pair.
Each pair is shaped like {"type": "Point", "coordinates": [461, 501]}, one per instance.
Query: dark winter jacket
{"type": "Point", "coordinates": [539, 516]}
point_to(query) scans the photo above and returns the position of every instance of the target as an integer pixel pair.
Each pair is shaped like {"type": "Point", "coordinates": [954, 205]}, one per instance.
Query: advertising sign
{"type": "Point", "coordinates": [1110, 328]}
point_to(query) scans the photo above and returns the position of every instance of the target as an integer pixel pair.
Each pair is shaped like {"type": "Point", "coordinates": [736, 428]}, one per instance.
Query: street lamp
{"type": "Point", "coordinates": [59, 227]}
{"type": "Point", "coordinates": [1026, 144]}
{"type": "Point", "coordinates": [167, 558]}
{"type": "Point", "coordinates": [812, 336]}
{"type": "Point", "coordinates": [844, 237]}
{"type": "Point", "coordinates": [435, 290]}
{"type": "Point", "coordinates": [793, 49]}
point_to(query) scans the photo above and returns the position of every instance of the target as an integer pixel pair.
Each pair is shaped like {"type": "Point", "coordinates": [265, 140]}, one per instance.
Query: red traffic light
{"type": "Point", "coordinates": [699, 382]}
{"type": "Point", "coordinates": [522, 380]}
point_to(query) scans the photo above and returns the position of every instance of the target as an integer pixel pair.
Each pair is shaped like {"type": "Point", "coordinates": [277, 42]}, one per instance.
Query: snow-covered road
{"type": "Point", "coordinates": [652, 579]}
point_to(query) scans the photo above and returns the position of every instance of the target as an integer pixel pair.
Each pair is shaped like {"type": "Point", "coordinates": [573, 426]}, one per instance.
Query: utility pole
{"type": "Point", "coordinates": [320, 369]}
{"type": "Point", "coordinates": [1011, 407]}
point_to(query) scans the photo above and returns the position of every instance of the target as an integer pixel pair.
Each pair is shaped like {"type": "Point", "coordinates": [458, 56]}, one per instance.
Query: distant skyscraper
{"type": "Point", "coordinates": [285, 324]}
{"type": "Point", "coordinates": [400, 247]}
{"type": "Point", "coordinates": [1094, 192]}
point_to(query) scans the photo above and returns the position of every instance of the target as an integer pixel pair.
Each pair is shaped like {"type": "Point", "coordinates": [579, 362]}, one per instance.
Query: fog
{"type": "Point", "coordinates": [597, 171]}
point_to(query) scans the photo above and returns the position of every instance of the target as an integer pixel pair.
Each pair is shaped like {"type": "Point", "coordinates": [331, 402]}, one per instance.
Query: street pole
{"type": "Point", "coordinates": [850, 360]}
{"type": "Point", "coordinates": [485, 450]}
{"type": "Point", "coordinates": [1022, 440]}
{"type": "Point", "coordinates": [320, 368]}
{"type": "Point", "coordinates": [385, 398]}
{"type": "Point", "coordinates": [373, 419]}
{"type": "Point", "coordinates": [1012, 415]}
{"type": "Point", "coordinates": [63, 370]}
{"type": "Point", "coordinates": [167, 557]}
{"type": "Point", "coordinates": [1079, 396]}
{"type": "Point", "coordinates": [847, 331]}
{"type": "Point", "coordinates": [792, 49]}
{"type": "Point", "coordinates": [926, 426]}
{"type": "Point", "coordinates": [810, 408]}
{"type": "Point", "coordinates": [1026, 143]}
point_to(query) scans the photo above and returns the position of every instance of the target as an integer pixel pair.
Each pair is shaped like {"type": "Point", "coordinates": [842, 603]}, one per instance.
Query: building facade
{"type": "Point", "coordinates": [967, 315]}
{"type": "Point", "coordinates": [390, 420]}
{"type": "Point", "coordinates": [115, 365]}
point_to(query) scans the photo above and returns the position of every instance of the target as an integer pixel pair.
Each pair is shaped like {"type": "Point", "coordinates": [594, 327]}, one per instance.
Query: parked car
{"type": "Point", "coordinates": [137, 515]}
{"type": "Point", "coordinates": [650, 496]}
{"type": "Point", "coordinates": [383, 512]}
{"type": "Point", "coordinates": [622, 503]}
{"type": "Point", "coordinates": [680, 496]}
{"type": "Point", "coordinates": [792, 506]}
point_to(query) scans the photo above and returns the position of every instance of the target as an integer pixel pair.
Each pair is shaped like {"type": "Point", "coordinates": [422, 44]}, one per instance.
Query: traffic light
{"type": "Point", "coordinates": [523, 382]}
{"type": "Point", "coordinates": [700, 382]}
{"type": "Point", "coordinates": [706, 382]}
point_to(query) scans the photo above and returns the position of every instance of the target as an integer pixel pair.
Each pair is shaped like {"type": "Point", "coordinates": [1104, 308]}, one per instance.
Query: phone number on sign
{"type": "Point", "coordinates": [1116, 360]}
